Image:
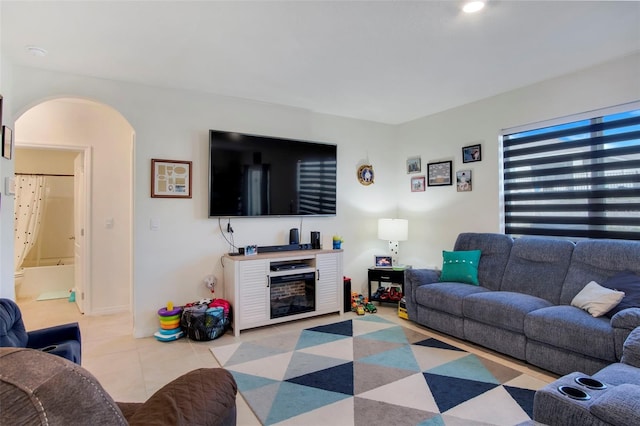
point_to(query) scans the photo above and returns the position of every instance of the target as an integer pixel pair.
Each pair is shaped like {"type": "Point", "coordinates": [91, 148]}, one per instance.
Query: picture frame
{"type": "Point", "coordinates": [414, 165]}
{"type": "Point", "coordinates": [417, 184]}
{"type": "Point", "coordinates": [7, 142]}
{"type": "Point", "coordinates": [383, 261]}
{"type": "Point", "coordinates": [472, 153]}
{"type": "Point", "coordinates": [439, 174]}
{"type": "Point", "coordinates": [170, 178]}
{"type": "Point", "coordinates": [463, 181]}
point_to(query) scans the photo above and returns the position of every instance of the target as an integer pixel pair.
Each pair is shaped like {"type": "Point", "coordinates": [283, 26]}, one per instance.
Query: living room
{"type": "Point", "coordinates": [170, 263]}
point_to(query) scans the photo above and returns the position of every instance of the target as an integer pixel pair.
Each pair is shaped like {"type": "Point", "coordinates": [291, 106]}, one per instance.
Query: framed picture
{"type": "Point", "coordinates": [170, 179]}
{"type": "Point", "coordinates": [471, 153]}
{"type": "Point", "coordinates": [417, 184]}
{"type": "Point", "coordinates": [383, 262]}
{"type": "Point", "coordinates": [439, 173]}
{"type": "Point", "coordinates": [414, 165]}
{"type": "Point", "coordinates": [7, 142]}
{"type": "Point", "coordinates": [463, 180]}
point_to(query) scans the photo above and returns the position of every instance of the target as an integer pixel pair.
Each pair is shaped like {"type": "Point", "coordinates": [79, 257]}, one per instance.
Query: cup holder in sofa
{"type": "Point", "coordinates": [574, 393]}
{"type": "Point", "coordinates": [590, 383]}
{"type": "Point", "coordinates": [49, 348]}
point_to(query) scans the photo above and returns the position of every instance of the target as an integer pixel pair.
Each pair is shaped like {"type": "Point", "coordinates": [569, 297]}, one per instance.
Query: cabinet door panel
{"type": "Point", "coordinates": [254, 292]}
{"type": "Point", "coordinates": [329, 271]}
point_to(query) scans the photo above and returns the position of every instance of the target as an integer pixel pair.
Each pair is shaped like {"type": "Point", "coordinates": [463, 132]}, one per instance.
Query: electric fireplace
{"type": "Point", "coordinates": [292, 294]}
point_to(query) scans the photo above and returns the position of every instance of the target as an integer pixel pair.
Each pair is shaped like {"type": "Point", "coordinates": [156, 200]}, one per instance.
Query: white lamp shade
{"type": "Point", "coordinates": [393, 229]}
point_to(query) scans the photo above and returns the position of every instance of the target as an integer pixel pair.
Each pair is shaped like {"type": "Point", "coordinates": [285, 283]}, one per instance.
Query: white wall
{"type": "Point", "coordinates": [439, 214]}
{"type": "Point", "coordinates": [170, 263]}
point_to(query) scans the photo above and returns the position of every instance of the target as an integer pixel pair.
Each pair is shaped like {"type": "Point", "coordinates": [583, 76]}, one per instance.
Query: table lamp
{"type": "Point", "coordinates": [393, 230]}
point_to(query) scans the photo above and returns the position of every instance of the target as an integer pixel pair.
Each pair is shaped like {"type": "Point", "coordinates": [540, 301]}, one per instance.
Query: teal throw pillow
{"type": "Point", "coordinates": [460, 266]}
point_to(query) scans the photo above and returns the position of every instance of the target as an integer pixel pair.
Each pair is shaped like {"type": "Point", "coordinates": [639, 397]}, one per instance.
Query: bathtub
{"type": "Point", "coordinates": [35, 280]}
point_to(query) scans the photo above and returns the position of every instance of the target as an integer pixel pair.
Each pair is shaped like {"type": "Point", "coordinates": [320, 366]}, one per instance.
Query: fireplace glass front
{"type": "Point", "coordinates": [292, 294]}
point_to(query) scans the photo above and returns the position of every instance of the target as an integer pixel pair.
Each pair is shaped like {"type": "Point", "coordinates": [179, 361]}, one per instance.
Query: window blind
{"type": "Point", "coordinates": [579, 179]}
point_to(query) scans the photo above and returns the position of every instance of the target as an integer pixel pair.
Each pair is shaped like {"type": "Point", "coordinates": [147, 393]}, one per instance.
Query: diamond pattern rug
{"type": "Point", "coordinates": [371, 371]}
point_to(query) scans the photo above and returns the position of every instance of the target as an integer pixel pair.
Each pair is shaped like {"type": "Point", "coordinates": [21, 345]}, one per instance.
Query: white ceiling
{"type": "Point", "coordinates": [385, 61]}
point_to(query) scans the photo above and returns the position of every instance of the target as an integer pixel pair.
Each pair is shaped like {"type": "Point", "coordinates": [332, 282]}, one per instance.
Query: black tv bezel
{"type": "Point", "coordinates": [274, 138]}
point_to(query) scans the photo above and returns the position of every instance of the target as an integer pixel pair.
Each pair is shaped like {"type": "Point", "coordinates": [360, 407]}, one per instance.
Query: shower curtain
{"type": "Point", "coordinates": [28, 213]}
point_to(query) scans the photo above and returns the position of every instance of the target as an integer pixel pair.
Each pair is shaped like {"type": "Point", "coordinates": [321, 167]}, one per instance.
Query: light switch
{"type": "Point", "coordinates": [108, 223]}
{"type": "Point", "coordinates": [154, 224]}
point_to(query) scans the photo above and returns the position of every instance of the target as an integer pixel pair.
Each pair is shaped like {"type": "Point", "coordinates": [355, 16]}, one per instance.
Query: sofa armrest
{"type": "Point", "coordinates": [206, 396]}
{"type": "Point", "coordinates": [51, 335]}
{"type": "Point", "coordinates": [631, 349]}
{"type": "Point", "coordinates": [619, 406]}
{"type": "Point", "coordinates": [414, 278]}
{"type": "Point", "coordinates": [622, 323]}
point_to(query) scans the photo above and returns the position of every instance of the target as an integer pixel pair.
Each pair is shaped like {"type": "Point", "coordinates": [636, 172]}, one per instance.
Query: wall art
{"type": "Point", "coordinates": [365, 174]}
{"type": "Point", "coordinates": [463, 180]}
{"type": "Point", "coordinates": [170, 179]}
{"type": "Point", "coordinates": [414, 165]}
{"type": "Point", "coordinates": [7, 142]}
{"type": "Point", "coordinates": [471, 153]}
{"type": "Point", "coordinates": [417, 184]}
{"type": "Point", "coordinates": [439, 174]}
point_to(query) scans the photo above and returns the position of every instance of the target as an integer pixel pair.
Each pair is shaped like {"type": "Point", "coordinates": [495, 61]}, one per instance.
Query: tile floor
{"type": "Point", "coordinates": [133, 369]}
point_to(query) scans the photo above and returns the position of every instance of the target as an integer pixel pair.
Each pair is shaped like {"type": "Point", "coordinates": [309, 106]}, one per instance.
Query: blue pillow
{"type": "Point", "coordinates": [628, 282]}
{"type": "Point", "coordinates": [460, 266]}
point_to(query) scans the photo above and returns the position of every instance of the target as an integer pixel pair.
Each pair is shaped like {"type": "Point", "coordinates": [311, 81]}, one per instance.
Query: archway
{"type": "Point", "coordinates": [106, 139]}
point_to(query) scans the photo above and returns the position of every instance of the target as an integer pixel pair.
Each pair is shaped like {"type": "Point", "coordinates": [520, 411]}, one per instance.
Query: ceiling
{"type": "Point", "coordinates": [384, 61]}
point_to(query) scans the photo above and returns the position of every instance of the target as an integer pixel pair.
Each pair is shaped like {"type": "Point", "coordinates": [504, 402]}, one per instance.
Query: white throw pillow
{"type": "Point", "coordinates": [597, 300]}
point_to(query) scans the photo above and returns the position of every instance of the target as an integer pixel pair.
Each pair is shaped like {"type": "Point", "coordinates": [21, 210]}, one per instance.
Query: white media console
{"type": "Point", "coordinates": [271, 288]}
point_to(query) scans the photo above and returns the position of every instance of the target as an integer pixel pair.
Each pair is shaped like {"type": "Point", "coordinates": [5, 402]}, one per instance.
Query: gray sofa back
{"type": "Point", "coordinates": [597, 260]}
{"type": "Point", "coordinates": [537, 266]}
{"type": "Point", "coordinates": [495, 254]}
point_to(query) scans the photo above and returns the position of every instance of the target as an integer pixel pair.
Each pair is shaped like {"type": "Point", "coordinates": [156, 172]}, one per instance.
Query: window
{"type": "Point", "coordinates": [576, 179]}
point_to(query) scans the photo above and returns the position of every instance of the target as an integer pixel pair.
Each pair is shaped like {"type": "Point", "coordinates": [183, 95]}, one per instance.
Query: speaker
{"type": "Point", "coordinates": [315, 240]}
{"type": "Point", "coordinates": [294, 236]}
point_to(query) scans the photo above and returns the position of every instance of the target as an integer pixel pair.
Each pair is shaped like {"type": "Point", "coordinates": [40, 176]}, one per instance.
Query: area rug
{"type": "Point", "coordinates": [50, 295]}
{"type": "Point", "coordinates": [371, 371]}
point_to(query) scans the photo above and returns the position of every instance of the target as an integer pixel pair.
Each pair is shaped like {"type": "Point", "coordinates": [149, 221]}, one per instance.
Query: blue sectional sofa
{"type": "Point", "coordinates": [522, 305]}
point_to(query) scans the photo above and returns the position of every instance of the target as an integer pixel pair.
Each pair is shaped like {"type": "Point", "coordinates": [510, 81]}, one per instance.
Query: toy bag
{"type": "Point", "coordinates": [206, 319]}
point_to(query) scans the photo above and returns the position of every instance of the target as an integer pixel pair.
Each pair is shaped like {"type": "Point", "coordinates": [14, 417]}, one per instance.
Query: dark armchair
{"type": "Point", "coordinates": [62, 340]}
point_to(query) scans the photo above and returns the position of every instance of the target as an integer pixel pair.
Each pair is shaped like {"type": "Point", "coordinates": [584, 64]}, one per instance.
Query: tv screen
{"type": "Point", "coordinates": [253, 175]}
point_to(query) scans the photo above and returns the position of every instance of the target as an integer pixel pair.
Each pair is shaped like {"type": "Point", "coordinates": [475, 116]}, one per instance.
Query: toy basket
{"type": "Point", "coordinates": [206, 321]}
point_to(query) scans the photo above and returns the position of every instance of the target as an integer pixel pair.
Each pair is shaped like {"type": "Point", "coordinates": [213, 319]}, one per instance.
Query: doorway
{"type": "Point", "coordinates": [51, 213]}
{"type": "Point", "coordinates": [104, 243]}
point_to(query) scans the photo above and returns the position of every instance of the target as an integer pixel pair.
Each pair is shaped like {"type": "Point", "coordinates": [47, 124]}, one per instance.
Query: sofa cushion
{"type": "Point", "coordinates": [620, 406]}
{"type": "Point", "coordinates": [572, 329]}
{"type": "Point", "coordinates": [629, 283]}
{"type": "Point", "coordinates": [501, 308]}
{"type": "Point", "coordinates": [597, 300]}
{"type": "Point", "coordinates": [537, 266]}
{"type": "Point", "coordinates": [597, 260]}
{"type": "Point", "coordinates": [495, 250]}
{"type": "Point", "coordinates": [460, 266]}
{"type": "Point", "coordinates": [447, 296]}
{"type": "Point", "coordinates": [617, 374]}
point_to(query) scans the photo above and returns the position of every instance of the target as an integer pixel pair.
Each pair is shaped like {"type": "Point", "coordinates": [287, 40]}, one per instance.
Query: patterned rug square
{"type": "Point", "coordinates": [371, 371]}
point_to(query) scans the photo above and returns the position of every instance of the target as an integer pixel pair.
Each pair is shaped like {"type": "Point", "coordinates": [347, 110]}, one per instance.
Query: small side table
{"type": "Point", "coordinates": [385, 275]}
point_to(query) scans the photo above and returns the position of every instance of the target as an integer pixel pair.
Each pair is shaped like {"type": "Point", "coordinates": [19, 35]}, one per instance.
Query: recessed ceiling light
{"type": "Point", "coordinates": [36, 51]}
{"type": "Point", "coordinates": [473, 6]}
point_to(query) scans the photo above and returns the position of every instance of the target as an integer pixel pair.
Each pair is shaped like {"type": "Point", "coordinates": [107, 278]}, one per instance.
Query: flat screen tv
{"type": "Point", "coordinates": [252, 175]}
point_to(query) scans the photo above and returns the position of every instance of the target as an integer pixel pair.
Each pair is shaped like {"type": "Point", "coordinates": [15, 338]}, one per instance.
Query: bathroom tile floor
{"type": "Point", "coordinates": [133, 369]}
